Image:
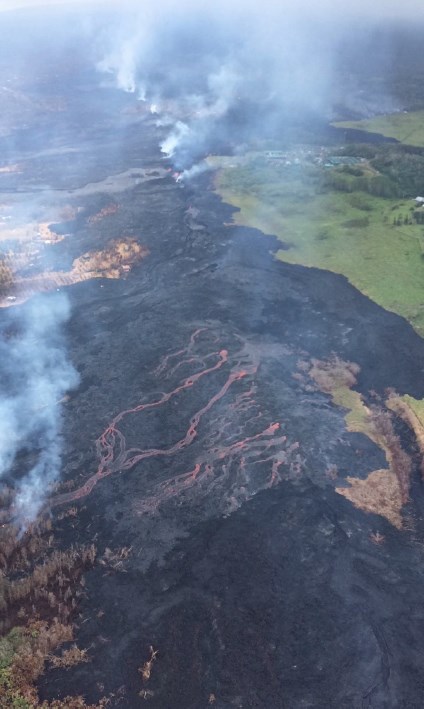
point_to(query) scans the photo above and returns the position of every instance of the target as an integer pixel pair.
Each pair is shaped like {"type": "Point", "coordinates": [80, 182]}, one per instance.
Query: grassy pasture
{"type": "Point", "coordinates": [407, 128]}
{"type": "Point", "coordinates": [350, 233]}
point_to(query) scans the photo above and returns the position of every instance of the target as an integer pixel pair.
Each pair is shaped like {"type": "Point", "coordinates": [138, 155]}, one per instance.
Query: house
{"type": "Point", "coordinates": [341, 160]}
{"type": "Point", "coordinates": [275, 154]}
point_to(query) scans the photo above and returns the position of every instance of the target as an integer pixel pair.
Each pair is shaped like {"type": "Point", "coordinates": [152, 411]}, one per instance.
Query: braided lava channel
{"type": "Point", "coordinates": [220, 451]}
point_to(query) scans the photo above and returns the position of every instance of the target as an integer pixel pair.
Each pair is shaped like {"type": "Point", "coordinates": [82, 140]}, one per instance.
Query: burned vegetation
{"type": "Point", "coordinates": [40, 589]}
{"type": "Point", "coordinates": [384, 492]}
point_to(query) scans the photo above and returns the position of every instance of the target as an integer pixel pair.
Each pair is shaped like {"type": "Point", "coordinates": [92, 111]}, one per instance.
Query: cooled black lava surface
{"type": "Point", "coordinates": [282, 600]}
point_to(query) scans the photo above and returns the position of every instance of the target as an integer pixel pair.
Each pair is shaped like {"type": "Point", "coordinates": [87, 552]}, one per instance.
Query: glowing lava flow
{"type": "Point", "coordinates": [115, 457]}
{"type": "Point", "coordinates": [213, 470]}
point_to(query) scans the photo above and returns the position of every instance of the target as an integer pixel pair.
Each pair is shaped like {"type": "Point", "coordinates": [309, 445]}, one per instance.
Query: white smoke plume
{"type": "Point", "coordinates": [201, 64]}
{"type": "Point", "coordinates": [180, 132]}
{"type": "Point", "coordinates": [244, 64]}
{"type": "Point", "coordinates": [36, 373]}
{"type": "Point", "coordinates": [122, 65]}
{"type": "Point", "coordinates": [194, 171]}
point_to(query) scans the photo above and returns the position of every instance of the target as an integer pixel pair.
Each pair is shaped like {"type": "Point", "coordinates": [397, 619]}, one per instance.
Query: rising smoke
{"type": "Point", "coordinates": [241, 69]}
{"type": "Point", "coordinates": [35, 375]}
{"type": "Point", "coordinates": [204, 71]}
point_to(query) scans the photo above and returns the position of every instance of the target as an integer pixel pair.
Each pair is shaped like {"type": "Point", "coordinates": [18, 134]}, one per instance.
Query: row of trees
{"type": "Point", "coordinates": [6, 276]}
{"type": "Point", "coordinates": [401, 166]}
{"type": "Point", "coordinates": [416, 217]}
{"type": "Point", "coordinates": [379, 186]}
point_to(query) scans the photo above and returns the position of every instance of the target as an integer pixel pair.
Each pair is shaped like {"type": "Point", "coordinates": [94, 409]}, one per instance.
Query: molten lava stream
{"type": "Point", "coordinates": [111, 445]}
{"type": "Point", "coordinates": [115, 457]}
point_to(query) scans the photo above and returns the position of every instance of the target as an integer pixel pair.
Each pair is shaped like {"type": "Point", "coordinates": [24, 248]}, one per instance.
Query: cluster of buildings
{"type": "Point", "coordinates": [319, 157]}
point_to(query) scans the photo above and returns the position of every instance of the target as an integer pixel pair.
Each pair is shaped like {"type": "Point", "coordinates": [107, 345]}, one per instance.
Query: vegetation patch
{"type": "Point", "coordinates": [336, 377]}
{"type": "Point", "coordinates": [405, 127]}
{"type": "Point", "coordinates": [39, 591]}
{"type": "Point", "coordinates": [383, 492]}
{"type": "Point", "coordinates": [411, 411]}
{"type": "Point", "coordinates": [114, 261]}
{"type": "Point", "coordinates": [328, 219]}
{"type": "Point", "coordinates": [378, 494]}
{"type": "Point", "coordinates": [70, 657]}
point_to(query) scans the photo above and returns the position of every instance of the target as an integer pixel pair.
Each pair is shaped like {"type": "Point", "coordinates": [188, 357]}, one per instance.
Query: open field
{"type": "Point", "coordinates": [371, 240]}
{"type": "Point", "coordinates": [407, 128]}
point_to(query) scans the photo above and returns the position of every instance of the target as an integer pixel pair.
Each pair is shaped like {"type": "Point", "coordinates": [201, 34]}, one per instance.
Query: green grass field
{"type": "Point", "coordinates": [347, 233]}
{"type": "Point", "coordinates": [417, 406]}
{"type": "Point", "coordinates": [407, 128]}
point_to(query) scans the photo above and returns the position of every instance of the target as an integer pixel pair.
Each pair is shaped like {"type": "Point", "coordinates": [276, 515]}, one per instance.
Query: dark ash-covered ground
{"type": "Point", "coordinates": [258, 585]}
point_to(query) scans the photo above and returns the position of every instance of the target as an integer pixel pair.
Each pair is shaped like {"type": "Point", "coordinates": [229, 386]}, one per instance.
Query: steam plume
{"type": "Point", "coordinates": [193, 79]}
{"type": "Point", "coordinates": [236, 70]}
{"type": "Point", "coordinates": [36, 373]}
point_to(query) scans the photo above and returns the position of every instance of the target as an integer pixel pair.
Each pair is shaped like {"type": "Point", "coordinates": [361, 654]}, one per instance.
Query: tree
{"type": "Point", "coordinates": [6, 276]}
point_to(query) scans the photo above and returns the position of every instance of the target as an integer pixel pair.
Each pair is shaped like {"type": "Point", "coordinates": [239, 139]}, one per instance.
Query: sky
{"type": "Point", "coordinates": [408, 9]}
{"type": "Point", "coordinates": [16, 4]}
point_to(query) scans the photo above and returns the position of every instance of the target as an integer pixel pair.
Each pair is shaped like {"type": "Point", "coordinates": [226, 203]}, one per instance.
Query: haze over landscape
{"type": "Point", "coordinates": [211, 340]}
